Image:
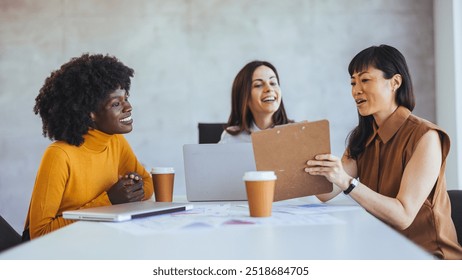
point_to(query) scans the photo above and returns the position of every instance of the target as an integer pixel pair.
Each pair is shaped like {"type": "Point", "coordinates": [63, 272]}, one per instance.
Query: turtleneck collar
{"type": "Point", "coordinates": [96, 140]}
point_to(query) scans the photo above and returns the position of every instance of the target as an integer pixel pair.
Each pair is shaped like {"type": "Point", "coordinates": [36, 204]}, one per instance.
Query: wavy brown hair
{"type": "Point", "coordinates": [241, 116]}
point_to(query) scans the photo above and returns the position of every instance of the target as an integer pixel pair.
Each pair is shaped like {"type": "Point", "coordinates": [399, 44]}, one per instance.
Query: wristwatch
{"type": "Point", "coordinates": [353, 184]}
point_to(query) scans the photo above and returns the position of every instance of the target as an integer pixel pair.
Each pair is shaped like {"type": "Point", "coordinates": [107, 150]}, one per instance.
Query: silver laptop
{"type": "Point", "coordinates": [213, 172]}
{"type": "Point", "coordinates": [126, 211]}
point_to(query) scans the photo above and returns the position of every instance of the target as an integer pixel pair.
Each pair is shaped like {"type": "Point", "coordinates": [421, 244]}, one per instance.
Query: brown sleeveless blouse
{"type": "Point", "coordinates": [381, 167]}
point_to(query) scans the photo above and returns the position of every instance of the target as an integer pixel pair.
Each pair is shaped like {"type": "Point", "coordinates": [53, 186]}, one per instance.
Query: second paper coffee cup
{"type": "Point", "coordinates": [260, 192]}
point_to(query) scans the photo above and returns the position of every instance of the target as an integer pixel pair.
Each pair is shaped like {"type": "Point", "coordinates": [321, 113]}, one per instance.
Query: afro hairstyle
{"type": "Point", "coordinates": [75, 90]}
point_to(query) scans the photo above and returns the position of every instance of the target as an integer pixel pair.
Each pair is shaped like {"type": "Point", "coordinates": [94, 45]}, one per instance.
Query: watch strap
{"type": "Point", "coordinates": [353, 184]}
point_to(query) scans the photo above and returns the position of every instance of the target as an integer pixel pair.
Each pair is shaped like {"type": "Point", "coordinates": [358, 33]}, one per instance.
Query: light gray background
{"type": "Point", "coordinates": [186, 54]}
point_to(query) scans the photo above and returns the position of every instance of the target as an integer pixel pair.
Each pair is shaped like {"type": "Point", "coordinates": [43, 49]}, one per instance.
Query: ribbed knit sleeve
{"type": "Point", "coordinates": [129, 163]}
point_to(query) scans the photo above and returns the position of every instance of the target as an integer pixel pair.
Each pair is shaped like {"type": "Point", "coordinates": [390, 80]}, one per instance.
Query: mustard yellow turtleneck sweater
{"type": "Point", "coordinates": [71, 177]}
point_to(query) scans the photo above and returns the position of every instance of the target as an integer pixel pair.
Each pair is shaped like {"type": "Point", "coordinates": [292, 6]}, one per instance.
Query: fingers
{"type": "Point", "coordinates": [318, 170]}
{"type": "Point", "coordinates": [137, 195]}
{"type": "Point", "coordinates": [133, 176]}
{"type": "Point", "coordinates": [131, 185]}
{"type": "Point", "coordinates": [132, 181]}
{"type": "Point", "coordinates": [125, 186]}
{"type": "Point", "coordinates": [128, 188]}
{"type": "Point", "coordinates": [137, 186]}
{"type": "Point", "coordinates": [319, 163]}
{"type": "Point", "coordinates": [323, 164]}
{"type": "Point", "coordinates": [324, 158]}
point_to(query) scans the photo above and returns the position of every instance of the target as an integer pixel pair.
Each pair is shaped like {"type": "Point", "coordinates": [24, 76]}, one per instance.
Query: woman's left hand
{"type": "Point", "coordinates": [331, 167]}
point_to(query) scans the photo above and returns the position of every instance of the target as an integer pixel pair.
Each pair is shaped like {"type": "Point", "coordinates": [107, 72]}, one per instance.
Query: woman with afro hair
{"type": "Point", "coordinates": [85, 110]}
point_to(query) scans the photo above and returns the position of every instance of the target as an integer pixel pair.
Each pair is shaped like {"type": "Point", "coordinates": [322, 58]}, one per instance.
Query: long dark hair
{"type": "Point", "coordinates": [390, 61]}
{"type": "Point", "coordinates": [241, 116]}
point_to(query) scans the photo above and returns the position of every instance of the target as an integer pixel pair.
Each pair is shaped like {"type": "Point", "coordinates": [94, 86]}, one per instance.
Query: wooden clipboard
{"type": "Point", "coordinates": [285, 150]}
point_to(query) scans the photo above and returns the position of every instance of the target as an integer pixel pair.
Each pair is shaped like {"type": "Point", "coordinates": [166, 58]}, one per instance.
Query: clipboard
{"type": "Point", "coordinates": [285, 149]}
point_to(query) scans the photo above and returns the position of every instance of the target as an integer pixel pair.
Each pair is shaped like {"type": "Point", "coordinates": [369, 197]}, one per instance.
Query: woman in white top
{"type": "Point", "coordinates": [256, 102]}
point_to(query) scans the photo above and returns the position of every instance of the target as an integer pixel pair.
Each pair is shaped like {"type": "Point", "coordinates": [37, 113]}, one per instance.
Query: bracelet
{"type": "Point", "coordinates": [353, 184]}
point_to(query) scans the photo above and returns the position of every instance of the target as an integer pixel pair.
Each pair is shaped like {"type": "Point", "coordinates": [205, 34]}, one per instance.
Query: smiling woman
{"type": "Point", "coordinates": [395, 162]}
{"type": "Point", "coordinates": [256, 102]}
{"type": "Point", "coordinates": [84, 107]}
{"type": "Point", "coordinates": [114, 116]}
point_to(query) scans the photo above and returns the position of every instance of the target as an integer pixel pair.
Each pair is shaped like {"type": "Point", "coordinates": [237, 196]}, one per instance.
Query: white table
{"type": "Point", "coordinates": [358, 236]}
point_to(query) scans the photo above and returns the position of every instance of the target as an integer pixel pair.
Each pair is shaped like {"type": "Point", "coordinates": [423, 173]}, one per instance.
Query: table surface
{"type": "Point", "coordinates": [299, 229]}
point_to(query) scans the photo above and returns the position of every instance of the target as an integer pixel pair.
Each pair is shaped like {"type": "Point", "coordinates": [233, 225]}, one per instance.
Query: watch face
{"type": "Point", "coordinates": [354, 182]}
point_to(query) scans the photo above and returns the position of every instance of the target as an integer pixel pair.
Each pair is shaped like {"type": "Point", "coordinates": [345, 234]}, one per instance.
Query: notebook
{"type": "Point", "coordinates": [213, 172]}
{"type": "Point", "coordinates": [285, 150]}
{"type": "Point", "coordinates": [125, 211]}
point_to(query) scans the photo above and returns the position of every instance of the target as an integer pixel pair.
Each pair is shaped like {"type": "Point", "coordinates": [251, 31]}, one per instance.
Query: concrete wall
{"type": "Point", "coordinates": [186, 54]}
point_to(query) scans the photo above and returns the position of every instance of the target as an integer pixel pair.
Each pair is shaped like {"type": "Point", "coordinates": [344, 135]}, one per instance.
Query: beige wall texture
{"type": "Point", "coordinates": [186, 54]}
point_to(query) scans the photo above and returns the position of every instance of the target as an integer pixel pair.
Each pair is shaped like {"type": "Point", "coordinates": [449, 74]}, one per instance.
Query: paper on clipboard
{"type": "Point", "coordinates": [285, 150]}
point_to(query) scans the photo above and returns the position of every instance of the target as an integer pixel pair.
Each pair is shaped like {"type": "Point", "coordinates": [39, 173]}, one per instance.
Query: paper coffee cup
{"type": "Point", "coordinates": [163, 180]}
{"type": "Point", "coordinates": [260, 192]}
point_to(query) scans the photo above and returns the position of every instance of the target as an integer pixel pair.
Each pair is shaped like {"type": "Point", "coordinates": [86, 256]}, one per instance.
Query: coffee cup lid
{"type": "Point", "coordinates": [162, 170]}
{"type": "Point", "coordinates": [259, 176]}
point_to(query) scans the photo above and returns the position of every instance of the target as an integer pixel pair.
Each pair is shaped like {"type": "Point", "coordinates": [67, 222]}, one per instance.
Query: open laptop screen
{"type": "Point", "coordinates": [213, 172]}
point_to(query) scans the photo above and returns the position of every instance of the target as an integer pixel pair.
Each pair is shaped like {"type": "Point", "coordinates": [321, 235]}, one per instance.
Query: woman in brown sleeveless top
{"type": "Point", "coordinates": [394, 163]}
